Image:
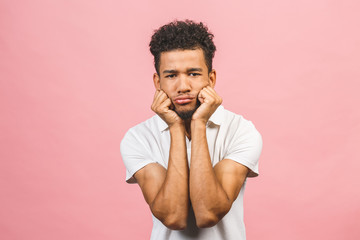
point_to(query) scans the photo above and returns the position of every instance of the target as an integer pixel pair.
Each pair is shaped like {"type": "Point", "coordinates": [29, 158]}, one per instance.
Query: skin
{"type": "Point", "coordinates": [211, 190]}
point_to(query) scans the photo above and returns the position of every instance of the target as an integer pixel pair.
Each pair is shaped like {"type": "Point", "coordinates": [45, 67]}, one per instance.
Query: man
{"type": "Point", "coordinates": [192, 158]}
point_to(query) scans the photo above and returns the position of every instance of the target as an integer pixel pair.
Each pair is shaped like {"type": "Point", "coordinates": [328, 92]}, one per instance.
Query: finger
{"type": "Point", "coordinates": [156, 94]}
{"type": "Point", "coordinates": [202, 96]}
{"type": "Point", "coordinates": [208, 96]}
{"type": "Point", "coordinates": [211, 90]}
{"type": "Point", "coordinates": [162, 93]}
{"type": "Point", "coordinates": [160, 98]}
{"type": "Point", "coordinates": [201, 99]}
{"type": "Point", "coordinates": [154, 99]}
{"type": "Point", "coordinates": [165, 104]}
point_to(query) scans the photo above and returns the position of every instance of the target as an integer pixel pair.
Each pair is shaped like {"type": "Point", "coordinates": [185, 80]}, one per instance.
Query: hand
{"type": "Point", "coordinates": [210, 101]}
{"type": "Point", "coordinates": [162, 106]}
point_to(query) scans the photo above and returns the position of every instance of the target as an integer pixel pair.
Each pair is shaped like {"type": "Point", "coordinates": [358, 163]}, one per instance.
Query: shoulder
{"type": "Point", "coordinates": [237, 123]}
{"type": "Point", "coordinates": [137, 146]}
{"type": "Point", "coordinates": [149, 125]}
{"type": "Point", "coordinates": [244, 142]}
{"type": "Point", "coordinates": [149, 128]}
{"type": "Point", "coordinates": [241, 134]}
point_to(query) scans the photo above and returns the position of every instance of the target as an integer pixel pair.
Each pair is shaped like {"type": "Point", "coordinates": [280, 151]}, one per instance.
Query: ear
{"type": "Point", "coordinates": [156, 80]}
{"type": "Point", "coordinates": [212, 78]}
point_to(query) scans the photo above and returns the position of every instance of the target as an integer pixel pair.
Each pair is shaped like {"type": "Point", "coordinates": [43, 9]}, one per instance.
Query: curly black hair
{"type": "Point", "coordinates": [182, 35]}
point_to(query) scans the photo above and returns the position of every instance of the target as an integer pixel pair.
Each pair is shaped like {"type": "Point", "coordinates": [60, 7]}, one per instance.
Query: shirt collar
{"type": "Point", "coordinates": [162, 124]}
{"type": "Point", "coordinates": [216, 118]}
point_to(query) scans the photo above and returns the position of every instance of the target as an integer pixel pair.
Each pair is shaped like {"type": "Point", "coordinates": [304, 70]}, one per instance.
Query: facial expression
{"type": "Point", "coordinates": [183, 73]}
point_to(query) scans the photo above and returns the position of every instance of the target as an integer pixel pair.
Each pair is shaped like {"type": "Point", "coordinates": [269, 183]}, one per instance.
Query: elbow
{"type": "Point", "coordinates": [210, 218]}
{"type": "Point", "coordinates": [174, 220]}
{"type": "Point", "coordinates": [175, 223]}
{"type": "Point", "coordinates": [207, 221]}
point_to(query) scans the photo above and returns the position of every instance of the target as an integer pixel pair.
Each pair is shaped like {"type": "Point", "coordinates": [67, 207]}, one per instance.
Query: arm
{"type": "Point", "coordinates": [212, 190]}
{"type": "Point", "coordinates": [166, 191]}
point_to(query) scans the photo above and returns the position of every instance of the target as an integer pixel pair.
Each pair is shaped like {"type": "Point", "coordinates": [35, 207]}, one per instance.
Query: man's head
{"type": "Point", "coordinates": [184, 35]}
{"type": "Point", "coordinates": [183, 53]}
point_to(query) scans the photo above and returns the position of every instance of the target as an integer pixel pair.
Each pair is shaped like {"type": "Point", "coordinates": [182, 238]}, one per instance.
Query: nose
{"type": "Point", "coordinates": [183, 84]}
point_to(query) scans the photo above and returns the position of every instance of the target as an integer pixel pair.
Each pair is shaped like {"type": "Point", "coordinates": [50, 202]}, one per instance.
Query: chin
{"type": "Point", "coordinates": [185, 112]}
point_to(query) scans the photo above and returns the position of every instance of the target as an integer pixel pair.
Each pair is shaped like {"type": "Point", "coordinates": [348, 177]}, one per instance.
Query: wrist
{"type": "Point", "coordinates": [176, 127]}
{"type": "Point", "coordinates": [198, 124]}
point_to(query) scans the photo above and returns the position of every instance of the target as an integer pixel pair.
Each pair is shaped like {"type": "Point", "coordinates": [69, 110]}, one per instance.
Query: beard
{"type": "Point", "coordinates": [186, 115]}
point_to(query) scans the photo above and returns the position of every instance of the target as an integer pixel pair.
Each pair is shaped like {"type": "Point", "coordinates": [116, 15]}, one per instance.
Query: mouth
{"type": "Point", "coordinates": [182, 100]}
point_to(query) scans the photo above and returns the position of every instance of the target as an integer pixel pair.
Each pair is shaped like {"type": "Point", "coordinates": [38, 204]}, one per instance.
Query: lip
{"type": "Point", "coordinates": [183, 99]}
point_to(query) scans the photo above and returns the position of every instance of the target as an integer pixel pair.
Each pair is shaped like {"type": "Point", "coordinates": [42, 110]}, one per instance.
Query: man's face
{"type": "Point", "coordinates": [183, 73]}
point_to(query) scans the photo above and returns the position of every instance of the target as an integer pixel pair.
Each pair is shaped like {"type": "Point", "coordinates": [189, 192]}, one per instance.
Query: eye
{"type": "Point", "coordinates": [170, 76]}
{"type": "Point", "coordinates": [194, 74]}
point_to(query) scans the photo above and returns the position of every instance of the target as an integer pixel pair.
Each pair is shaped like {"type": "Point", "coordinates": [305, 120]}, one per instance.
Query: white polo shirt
{"type": "Point", "coordinates": [229, 136]}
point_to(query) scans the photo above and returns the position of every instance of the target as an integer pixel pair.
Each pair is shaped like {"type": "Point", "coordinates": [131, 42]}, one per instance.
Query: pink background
{"type": "Point", "coordinates": [75, 75]}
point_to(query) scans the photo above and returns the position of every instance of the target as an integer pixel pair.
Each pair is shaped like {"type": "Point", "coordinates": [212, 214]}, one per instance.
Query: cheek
{"type": "Point", "coordinates": [167, 89]}
{"type": "Point", "coordinates": [201, 84]}
{"type": "Point", "coordinates": [165, 86]}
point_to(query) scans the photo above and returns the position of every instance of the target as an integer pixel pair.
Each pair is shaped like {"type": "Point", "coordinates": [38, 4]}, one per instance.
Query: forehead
{"type": "Point", "coordinates": [182, 59]}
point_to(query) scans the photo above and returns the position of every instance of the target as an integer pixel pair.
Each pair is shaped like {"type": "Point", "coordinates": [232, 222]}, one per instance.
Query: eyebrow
{"type": "Point", "coordinates": [188, 70]}
{"type": "Point", "coordinates": [194, 70]}
{"type": "Point", "coordinates": [170, 71]}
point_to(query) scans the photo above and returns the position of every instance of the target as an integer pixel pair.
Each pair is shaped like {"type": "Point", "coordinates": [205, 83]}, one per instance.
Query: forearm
{"type": "Point", "coordinates": [209, 200]}
{"type": "Point", "coordinates": [171, 204]}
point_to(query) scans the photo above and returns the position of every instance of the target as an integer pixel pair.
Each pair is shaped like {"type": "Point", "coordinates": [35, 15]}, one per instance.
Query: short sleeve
{"type": "Point", "coordinates": [134, 154]}
{"type": "Point", "coordinates": [245, 147]}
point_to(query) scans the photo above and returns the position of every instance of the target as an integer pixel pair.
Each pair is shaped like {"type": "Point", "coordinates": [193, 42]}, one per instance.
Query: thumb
{"type": "Point", "coordinates": [200, 97]}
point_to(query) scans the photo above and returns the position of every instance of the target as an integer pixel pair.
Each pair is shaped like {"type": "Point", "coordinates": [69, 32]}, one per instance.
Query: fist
{"type": "Point", "coordinates": [210, 101]}
{"type": "Point", "coordinates": [162, 106]}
